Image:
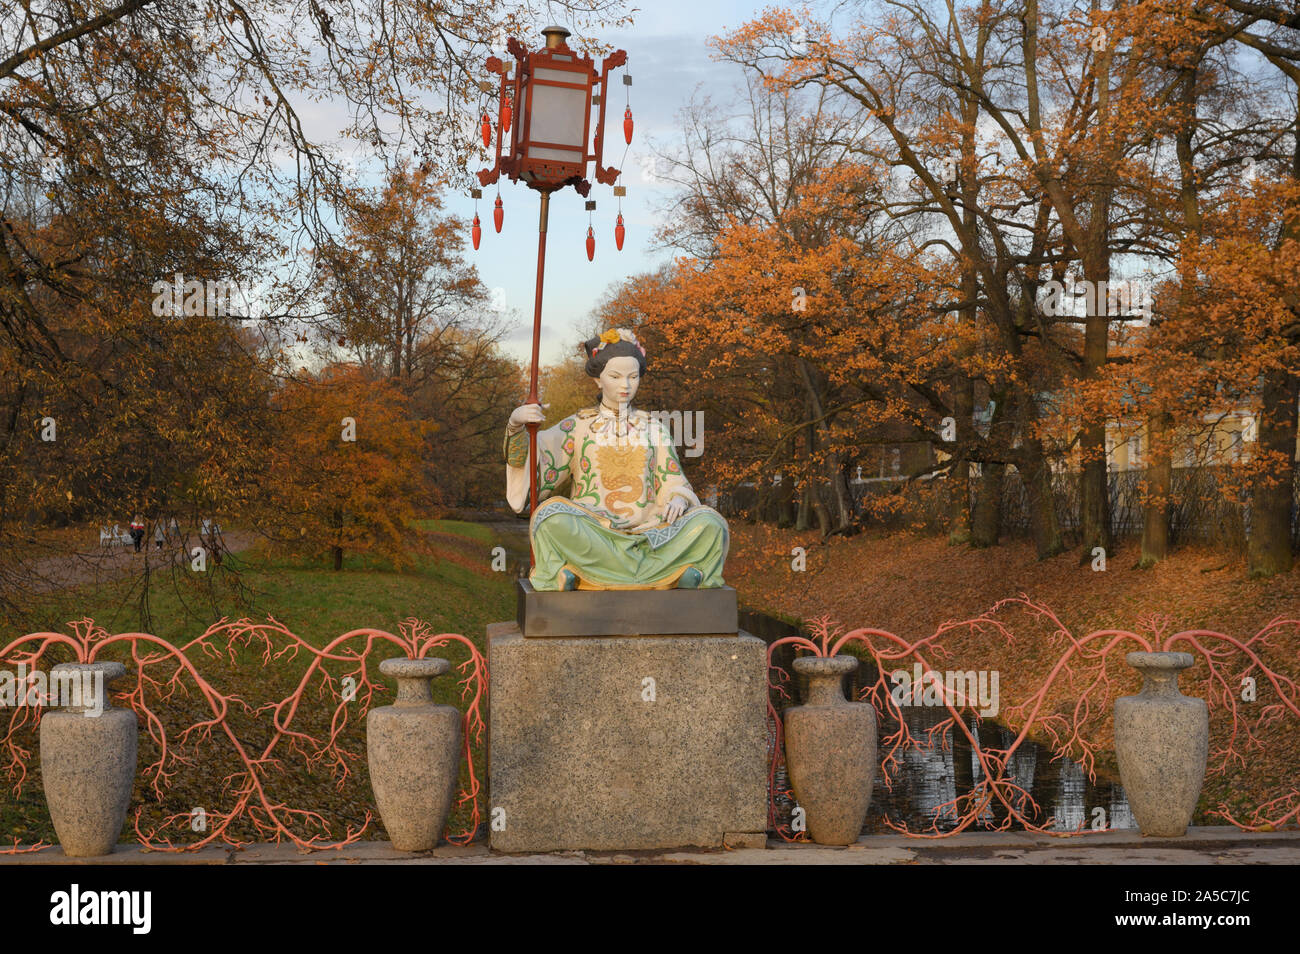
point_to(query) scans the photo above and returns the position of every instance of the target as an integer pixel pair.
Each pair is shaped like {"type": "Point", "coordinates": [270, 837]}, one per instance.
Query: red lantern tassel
{"type": "Point", "coordinates": [507, 113]}
{"type": "Point", "coordinates": [487, 131]}
{"type": "Point", "coordinates": [627, 125]}
{"type": "Point", "coordinates": [591, 244]}
{"type": "Point", "coordinates": [476, 232]}
{"type": "Point", "coordinates": [498, 214]}
{"type": "Point", "coordinates": [619, 232]}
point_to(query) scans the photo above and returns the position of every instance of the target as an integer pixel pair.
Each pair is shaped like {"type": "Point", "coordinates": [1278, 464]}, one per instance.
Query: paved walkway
{"type": "Point", "coordinates": [1201, 846]}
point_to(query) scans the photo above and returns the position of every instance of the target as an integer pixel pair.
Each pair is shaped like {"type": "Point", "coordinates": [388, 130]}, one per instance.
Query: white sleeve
{"type": "Point", "coordinates": [553, 464]}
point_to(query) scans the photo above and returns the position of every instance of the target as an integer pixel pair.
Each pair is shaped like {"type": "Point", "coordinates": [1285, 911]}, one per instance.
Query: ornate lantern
{"type": "Point", "coordinates": [554, 90]}
{"type": "Point", "coordinates": [542, 135]}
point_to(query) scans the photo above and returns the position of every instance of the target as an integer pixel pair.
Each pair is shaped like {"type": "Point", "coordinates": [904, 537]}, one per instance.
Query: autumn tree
{"type": "Point", "coordinates": [1268, 279]}
{"type": "Point", "coordinates": [774, 180]}
{"type": "Point", "coordinates": [402, 297]}
{"type": "Point", "coordinates": [117, 398]}
{"type": "Point", "coordinates": [146, 141]}
{"type": "Point", "coordinates": [1220, 213]}
{"type": "Point", "coordinates": [1023, 127]}
{"type": "Point", "coordinates": [801, 351]}
{"type": "Point", "coordinates": [465, 404]}
{"type": "Point", "coordinates": [565, 386]}
{"type": "Point", "coordinates": [398, 282]}
{"type": "Point", "coordinates": [346, 473]}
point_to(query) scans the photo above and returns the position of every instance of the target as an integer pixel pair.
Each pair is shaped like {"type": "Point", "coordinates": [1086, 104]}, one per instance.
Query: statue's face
{"type": "Point", "coordinates": [619, 381]}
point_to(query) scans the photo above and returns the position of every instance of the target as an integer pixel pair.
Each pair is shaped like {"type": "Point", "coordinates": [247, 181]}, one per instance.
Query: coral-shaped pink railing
{"type": "Point", "coordinates": [161, 669]}
{"type": "Point", "coordinates": [1085, 664]}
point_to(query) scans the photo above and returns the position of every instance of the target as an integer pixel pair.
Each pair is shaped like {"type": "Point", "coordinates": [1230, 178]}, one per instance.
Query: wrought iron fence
{"type": "Point", "coordinates": [1200, 509]}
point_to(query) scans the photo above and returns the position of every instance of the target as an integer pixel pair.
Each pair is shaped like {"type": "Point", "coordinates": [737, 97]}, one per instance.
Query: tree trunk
{"type": "Point", "coordinates": [803, 520]}
{"type": "Point", "coordinates": [986, 523]}
{"type": "Point", "coordinates": [963, 409]}
{"type": "Point", "coordinates": [823, 515]}
{"type": "Point", "coordinates": [1268, 550]}
{"type": "Point", "coordinates": [761, 495]}
{"type": "Point", "coordinates": [1036, 476]}
{"type": "Point", "coordinates": [808, 498]}
{"type": "Point", "coordinates": [840, 488]}
{"type": "Point", "coordinates": [1094, 487]}
{"type": "Point", "coordinates": [1160, 472]}
{"type": "Point", "coordinates": [813, 384]}
{"type": "Point", "coordinates": [1160, 479]}
{"type": "Point", "coordinates": [1094, 491]}
{"type": "Point", "coordinates": [783, 503]}
{"type": "Point", "coordinates": [395, 358]}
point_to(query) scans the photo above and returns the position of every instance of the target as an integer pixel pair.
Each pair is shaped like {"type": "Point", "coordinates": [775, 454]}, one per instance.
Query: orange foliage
{"type": "Point", "coordinates": [346, 469]}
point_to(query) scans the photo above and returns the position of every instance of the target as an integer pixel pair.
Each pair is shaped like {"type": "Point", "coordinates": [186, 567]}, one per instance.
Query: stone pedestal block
{"type": "Point", "coordinates": [624, 743]}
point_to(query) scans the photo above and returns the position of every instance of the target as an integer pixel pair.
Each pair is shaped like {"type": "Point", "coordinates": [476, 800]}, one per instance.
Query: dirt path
{"type": "Point", "coordinates": [101, 564]}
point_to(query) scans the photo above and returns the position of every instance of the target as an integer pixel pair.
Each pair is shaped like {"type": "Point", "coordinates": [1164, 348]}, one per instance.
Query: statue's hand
{"type": "Point", "coordinates": [527, 414]}
{"type": "Point", "coordinates": [677, 506]}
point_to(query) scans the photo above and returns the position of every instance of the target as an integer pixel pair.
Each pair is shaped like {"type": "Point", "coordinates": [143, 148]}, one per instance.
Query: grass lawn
{"type": "Point", "coordinates": [449, 591]}
{"type": "Point", "coordinates": [460, 528]}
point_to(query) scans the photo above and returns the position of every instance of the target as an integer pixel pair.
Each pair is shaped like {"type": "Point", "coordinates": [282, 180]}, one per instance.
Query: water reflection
{"type": "Point", "coordinates": [932, 776]}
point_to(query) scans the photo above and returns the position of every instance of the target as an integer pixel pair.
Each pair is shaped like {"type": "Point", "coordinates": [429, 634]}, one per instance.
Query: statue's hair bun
{"type": "Point", "coordinates": [600, 350]}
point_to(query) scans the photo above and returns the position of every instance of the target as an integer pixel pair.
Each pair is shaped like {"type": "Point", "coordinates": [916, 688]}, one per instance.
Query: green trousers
{"type": "Point", "coordinates": [566, 536]}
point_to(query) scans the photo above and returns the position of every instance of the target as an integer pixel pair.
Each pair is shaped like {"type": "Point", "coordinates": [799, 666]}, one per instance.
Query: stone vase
{"type": "Point", "coordinates": [88, 764]}
{"type": "Point", "coordinates": [830, 752]}
{"type": "Point", "coordinates": [1162, 738]}
{"type": "Point", "coordinates": [413, 747]}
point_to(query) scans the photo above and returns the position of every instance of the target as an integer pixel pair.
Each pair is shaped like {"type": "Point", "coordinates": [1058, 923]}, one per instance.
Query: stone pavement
{"type": "Point", "coordinates": [1201, 846]}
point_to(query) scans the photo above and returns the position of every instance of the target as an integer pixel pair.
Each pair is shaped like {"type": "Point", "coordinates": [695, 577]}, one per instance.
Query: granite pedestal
{"type": "Point", "coordinates": [625, 742]}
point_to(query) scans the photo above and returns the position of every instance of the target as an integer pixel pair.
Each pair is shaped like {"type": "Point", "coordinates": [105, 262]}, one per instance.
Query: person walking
{"type": "Point", "coordinates": [137, 531]}
{"type": "Point", "coordinates": [158, 535]}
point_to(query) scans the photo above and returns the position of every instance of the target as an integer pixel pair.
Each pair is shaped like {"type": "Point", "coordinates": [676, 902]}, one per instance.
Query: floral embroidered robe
{"type": "Point", "coordinates": [604, 485]}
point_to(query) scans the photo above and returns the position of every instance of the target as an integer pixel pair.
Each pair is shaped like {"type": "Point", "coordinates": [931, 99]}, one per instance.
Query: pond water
{"type": "Point", "coordinates": [930, 776]}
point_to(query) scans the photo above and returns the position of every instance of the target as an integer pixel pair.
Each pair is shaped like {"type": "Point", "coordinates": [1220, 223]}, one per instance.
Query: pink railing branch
{"type": "Point", "coordinates": [162, 670]}
{"type": "Point", "coordinates": [1084, 667]}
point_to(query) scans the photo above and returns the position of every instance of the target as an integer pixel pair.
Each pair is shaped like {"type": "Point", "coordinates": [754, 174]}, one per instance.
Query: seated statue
{"type": "Point", "coordinates": [618, 513]}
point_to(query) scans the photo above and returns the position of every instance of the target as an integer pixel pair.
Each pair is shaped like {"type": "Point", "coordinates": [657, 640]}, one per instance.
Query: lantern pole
{"type": "Point", "coordinates": [533, 396]}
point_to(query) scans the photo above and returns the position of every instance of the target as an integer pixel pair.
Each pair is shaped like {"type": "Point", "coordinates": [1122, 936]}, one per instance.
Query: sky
{"type": "Point", "coordinates": [667, 59]}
